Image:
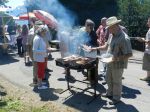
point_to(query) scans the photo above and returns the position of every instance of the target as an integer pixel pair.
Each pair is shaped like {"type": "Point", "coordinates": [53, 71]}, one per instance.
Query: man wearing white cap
{"type": "Point", "coordinates": [119, 47]}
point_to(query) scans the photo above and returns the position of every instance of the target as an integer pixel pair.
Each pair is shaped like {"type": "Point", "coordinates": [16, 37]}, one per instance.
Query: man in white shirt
{"type": "Point", "coordinates": [146, 57]}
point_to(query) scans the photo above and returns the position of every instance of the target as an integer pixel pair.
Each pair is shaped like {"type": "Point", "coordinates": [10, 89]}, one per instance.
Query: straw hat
{"type": "Point", "coordinates": [112, 21]}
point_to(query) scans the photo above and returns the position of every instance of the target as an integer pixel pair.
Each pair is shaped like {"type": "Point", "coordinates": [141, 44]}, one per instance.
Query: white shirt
{"type": "Point", "coordinates": [147, 48]}
{"type": "Point", "coordinates": [30, 36]}
{"type": "Point", "coordinates": [39, 49]}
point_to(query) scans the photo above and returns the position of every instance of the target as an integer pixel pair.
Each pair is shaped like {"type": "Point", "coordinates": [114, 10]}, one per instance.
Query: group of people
{"type": "Point", "coordinates": [33, 45]}
{"type": "Point", "coordinates": [39, 49]}
{"type": "Point", "coordinates": [112, 39]}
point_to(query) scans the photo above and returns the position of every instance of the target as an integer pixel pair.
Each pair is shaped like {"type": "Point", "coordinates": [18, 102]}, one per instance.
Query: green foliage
{"type": "Point", "coordinates": [6, 19]}
{"type": "Point", "coordinates": [11, 104]}
{"type": "Point", "coordinates": [93, 9]}
{"type": "Point", "coordinates": [14, 105]}
{"type": "Point", "coordinates": [43, 109]}
{"type": "Point", "coordinates": [134, 15]}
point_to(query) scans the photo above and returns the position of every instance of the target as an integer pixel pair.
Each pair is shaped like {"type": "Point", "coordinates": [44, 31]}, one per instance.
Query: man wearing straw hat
{"type": "Point", "coordinates": [119, 47]}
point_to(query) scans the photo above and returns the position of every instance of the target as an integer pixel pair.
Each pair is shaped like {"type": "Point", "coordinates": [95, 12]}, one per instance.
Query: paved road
{"type": "Point", "coordinates": [135, 92]}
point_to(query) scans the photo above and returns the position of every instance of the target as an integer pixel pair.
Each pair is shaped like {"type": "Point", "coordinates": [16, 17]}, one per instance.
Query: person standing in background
{"type": "Point", "coordinates": [19, 40]}
{"type": "Point", "coordinates": [102, 34]}
{"type": "Point", "coordinates": [146, 57]}
{"type": "Point", "coordinates": [39, 54]}
{"type": "Point", "coordinates": [24, 36]}
{"type": "Point", "coordinates": [12, 32]}
{"type": "Point", "coordinates": [47, 39]}
{"type": "Point", "coordinates": [32, 33]}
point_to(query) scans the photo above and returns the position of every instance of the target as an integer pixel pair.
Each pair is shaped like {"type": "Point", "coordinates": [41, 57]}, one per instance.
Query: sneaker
{"type": "Point", "coordinates": [44, 83]}
{"type": "Point", "coordinates": [104, 83]}
{"type": "Point", "coordinates": [102, 70]}
{"type": "Point", "coordinates": [145, 79]}
{"type": "Point", "coordinates": [42, 87]}
{"type": "Point", "coordinates": [107, 96]}
{"type": "Point", "coordinates": [33, 84]}
{"type": "Point", "coordinates": [114, 102]}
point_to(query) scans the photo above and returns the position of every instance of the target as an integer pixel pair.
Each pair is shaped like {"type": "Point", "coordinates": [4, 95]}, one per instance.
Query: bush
{"type": "Point", "coordinates": [134, 15]}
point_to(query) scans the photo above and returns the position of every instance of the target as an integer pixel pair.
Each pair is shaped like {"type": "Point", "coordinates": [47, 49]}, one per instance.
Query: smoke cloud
{"type": "Point", "coordinates": [70, 37]}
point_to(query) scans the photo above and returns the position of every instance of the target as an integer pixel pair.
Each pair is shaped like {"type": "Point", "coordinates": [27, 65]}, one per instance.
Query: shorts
{"type": "Point", "coordinates": [146, 62]}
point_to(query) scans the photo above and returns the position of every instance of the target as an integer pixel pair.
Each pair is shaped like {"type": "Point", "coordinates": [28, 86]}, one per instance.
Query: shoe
{"type": "Point", "coordinates": [102, 70]}
{"type": "Point", "coordinates": [48, 70]}
{"type": "Point", "coordinates": [114, 102]}
{"type": "Point", "coordinates": [107, 96]}
{"type": "Point", "coordinates": [44, 83]}
{"type": "Point", "coordinates": [103, 83]}
{"type": "Point", "coordinates": [42, 87]}
{"type": "Point", "coordinates": [33, 84]}
{"type": "Point", "coordinates": [145, 79]}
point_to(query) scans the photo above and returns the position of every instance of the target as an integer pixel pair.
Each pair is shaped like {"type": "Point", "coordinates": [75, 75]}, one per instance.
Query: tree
{"type": "Point", "coordinates": [134, 15]}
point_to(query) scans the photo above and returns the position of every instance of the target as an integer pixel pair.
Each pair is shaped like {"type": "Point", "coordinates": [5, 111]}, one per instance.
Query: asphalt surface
{"type": "Point", "coordinates": [135, 95]}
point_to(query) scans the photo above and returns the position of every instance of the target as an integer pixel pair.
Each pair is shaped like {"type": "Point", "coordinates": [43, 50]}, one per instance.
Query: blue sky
{"type": "Point", "coordinates": [15, 3]}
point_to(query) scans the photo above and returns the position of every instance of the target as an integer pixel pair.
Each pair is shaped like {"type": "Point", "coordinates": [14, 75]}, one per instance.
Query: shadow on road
{"type": "Point", "coordinates": [80, 102]}
{"type": "Point", "coordinates": [7, 58]}
{"type": "Point", "coordinates": [85, 101]}
{"type": "Point", "coordinates": [122, 107]}
{"type": "Point", "coordinates": [130, 92]}
{"type": "Point", "coordinates": [47, 94]}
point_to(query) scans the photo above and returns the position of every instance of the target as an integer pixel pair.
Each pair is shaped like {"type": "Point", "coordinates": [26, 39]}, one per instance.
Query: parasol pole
{"type": "Point", "coordinates": [28, 16]}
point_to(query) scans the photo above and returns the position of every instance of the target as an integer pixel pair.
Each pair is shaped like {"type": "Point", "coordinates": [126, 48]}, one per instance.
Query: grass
{"type": "Point", "coordinates": [9, 104]}
{"type": "Point", "coordinates": [13, 105]}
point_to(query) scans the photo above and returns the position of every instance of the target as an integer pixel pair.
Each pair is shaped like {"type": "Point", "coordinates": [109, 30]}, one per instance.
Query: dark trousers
{"type": "Point", "coordinates": [19, 45]}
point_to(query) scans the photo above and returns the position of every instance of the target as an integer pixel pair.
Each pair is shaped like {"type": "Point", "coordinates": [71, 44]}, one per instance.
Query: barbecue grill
{"type": "Point", "coordinates": [91, 64]}
{"type": "Point", "coordinates": [74, 64]}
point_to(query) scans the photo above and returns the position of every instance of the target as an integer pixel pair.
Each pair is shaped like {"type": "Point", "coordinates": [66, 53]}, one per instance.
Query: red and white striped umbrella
{"type": "Point", "coordinates": [27, 16]}
{"type": "Point", "coordinates": [49, 19]}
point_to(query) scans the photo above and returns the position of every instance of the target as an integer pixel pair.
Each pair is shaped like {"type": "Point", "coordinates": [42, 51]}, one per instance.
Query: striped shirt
{"type": "Point", "coordinates": [119, 46]}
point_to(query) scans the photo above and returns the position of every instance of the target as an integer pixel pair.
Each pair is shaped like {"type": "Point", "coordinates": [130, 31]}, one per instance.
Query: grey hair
{"type": "Point", "coordinates": [103, 19]}
{"type": "Point", "coordinates": [90, 23]}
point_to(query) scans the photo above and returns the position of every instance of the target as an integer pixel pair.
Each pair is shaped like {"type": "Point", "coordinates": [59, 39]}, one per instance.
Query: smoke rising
{"type": "Point", "coordinates": [65, 17]}
{"type": "Point", "coordinates": [70, 37]}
